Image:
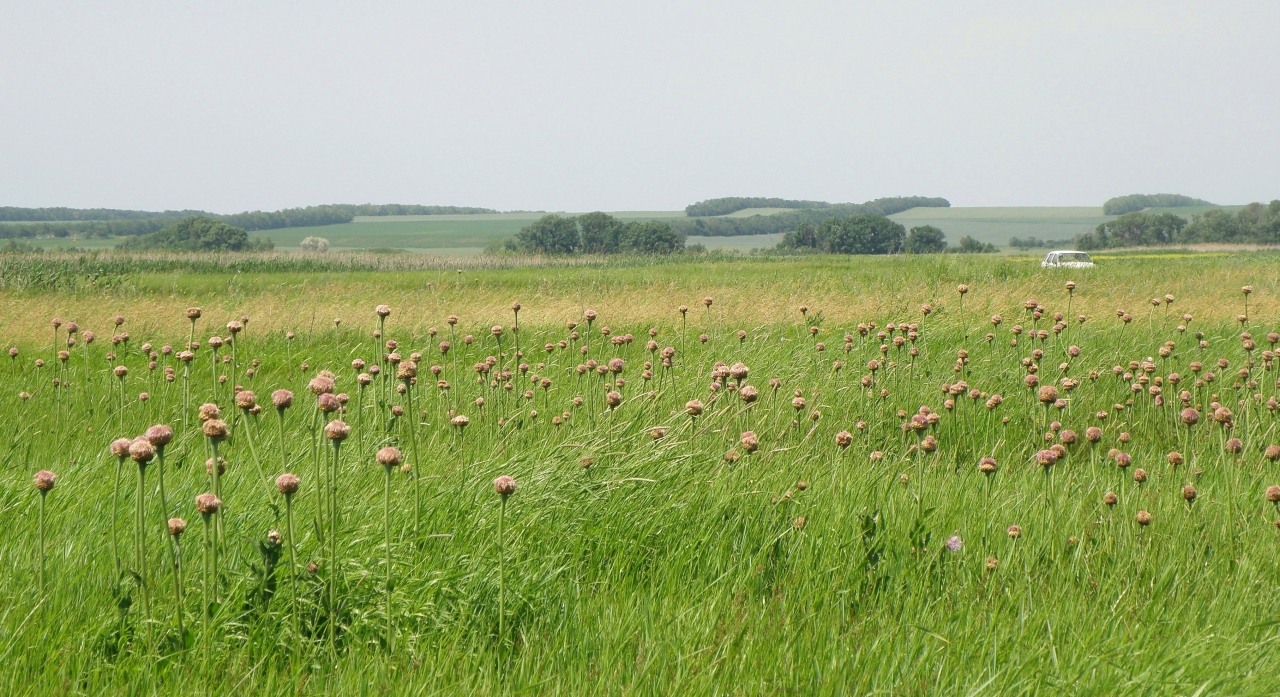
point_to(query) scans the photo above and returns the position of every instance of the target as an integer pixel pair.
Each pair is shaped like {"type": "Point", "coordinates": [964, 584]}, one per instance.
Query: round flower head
{"type": "Point", "coordinates": [954, 543]}
{"type": "Point", "coordinates": [388, 457]}
{"type": "Point", "coordinates": [1014, 532]}
{"type": "Point", "coordinates": [987, 465]}
{"type": "Point", "coordinates": [222, 466]}
{"type": "Point", "coordinates": [209, 411]}
{"type": "Point", "coordinates": [337, 430]}
{"type": "Point", "coordinates": [120, 447]}
{"type": "Point", "coordinates": [288, 483]}
{"type": "Point", "coordinates": [1144, 518]}
{"type": "Point", "coordinates": [44, 481]}
{"type": "Point", "coordinates": [750, 441]}
{"type": "Point", "coordinates": [382, 310]}
{"type": "Point", "coordinates": [1110, 498]}
{"type": "Point", "coordinates": [1189, 493]}
{"type": "Point", "coordinates": [328, 403]}
{"type": "Point", "coordinates": [246, 399]}
{"type": "Point", "coordinates": [177, 526]}
{"type": "Point", "coordinates": [282, 399]}
{"type": "Point", "coordinates": [693, 407]}
{"type": "Point", "coordinates": [234, 327]}
{"type": "Point", "coordinates": [505, 486]}
{"type": "Point", "coordinates": [844, 439]}
{"type": "Point", "coordinates": [613, 399]}
{"type": "Point", "coordinates": [215, 429]}
{"type": "Point", "coordinates": [460, 421]}
{"type": "Point", "coordinates": [321, 384]}
{"type": "Point", "coordinates": [208, 504]}
{"type": "Point", "coordinates": [1273, 493]}
{"type": "Point", "coordinates": [141, 451]}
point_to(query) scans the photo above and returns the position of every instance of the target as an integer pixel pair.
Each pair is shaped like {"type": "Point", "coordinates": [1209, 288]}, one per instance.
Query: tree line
{"type": "Point", "coordinates": [733, 204]}
{"type": "Point", "coordinates": [793, 219]}
{"type": "Point", "coordinates": [874, 234]}
{"type": "Point", "coordinates": [1137, 202]}
{"type": "Point", "coordinates": [198, 233]}
{"type": "Point", "coordinates": [107, 222]}
{"type": "Point", "coordinates": [595, 233]}
{"type": "Point", "coordinates": [1255, 223]}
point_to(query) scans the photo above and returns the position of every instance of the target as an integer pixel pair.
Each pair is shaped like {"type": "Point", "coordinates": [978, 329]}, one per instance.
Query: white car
{"type": "Point", "coordinates": [1067, 259]}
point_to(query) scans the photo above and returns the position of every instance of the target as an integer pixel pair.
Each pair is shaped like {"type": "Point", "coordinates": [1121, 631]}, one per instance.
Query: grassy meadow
{"type": "Point", "coordinates": [821, 476]}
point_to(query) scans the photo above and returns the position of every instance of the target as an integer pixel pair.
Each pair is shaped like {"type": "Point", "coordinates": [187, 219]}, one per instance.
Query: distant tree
{"type": "Point", "coordinates": [1136, 202]}
{"type": "Point", "coordinates": [314, 244]}
{"type": "Point", "coordinates": [969, 245]}
{"type": "Point", "coordinates": [855, 234]}
{"type": "Point", "coordinates": [550, 234]}
{"type": "Point", "coordinates": [652, 237]}
{"type": "Point", "coordinates": [198, 234]}
{"type": "Point", "coordinates": [600, 233]}
{"type": "Point", "coordinates": [925, 239]}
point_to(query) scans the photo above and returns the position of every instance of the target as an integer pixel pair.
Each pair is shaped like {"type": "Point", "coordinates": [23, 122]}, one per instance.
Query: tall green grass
{"type": "Point", "coordinates": [681, 564]}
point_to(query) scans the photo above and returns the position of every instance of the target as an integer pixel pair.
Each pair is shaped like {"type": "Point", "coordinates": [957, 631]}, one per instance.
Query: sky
{"type": "Point", "coordinates": [549, 105]}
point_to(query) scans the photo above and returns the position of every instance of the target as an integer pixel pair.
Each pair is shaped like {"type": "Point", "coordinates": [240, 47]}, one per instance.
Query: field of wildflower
{"type": "Point", "coordinates": [744, 476]}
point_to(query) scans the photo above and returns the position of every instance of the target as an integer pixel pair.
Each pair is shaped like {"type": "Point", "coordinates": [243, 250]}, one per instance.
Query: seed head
{"type": "Point", "coordinates": [160, 435]}
{"type": "Point", "coordinates": [215, 429]}
{"type": "Point", "coordinates": [1014, 532]}
{"type": "Point", "coordinates": [382, 310]}
{"type": "Point", "coordinates": [388, 457]}
{"type": "Point", "coordinates": [987, 465]}
{"type": "Point", "coordinates": [504, 486]}
{"type": "Point", "coordinates": [222, 466]}
{"type": "Point", "coordinates": [193, 313]}
{"type": "Point", "coordinates": [141, 451]}
{"type": "Point", "coordinates": [44, 481]}
{"type": "Point", "coordinates": [613, 399]}
{"type": "Point", "coordinates": [693, 407]}
{"type": "Point", "coordinates": [1189, 493]}
{"type": "Point", "coordinates": [844, 439]}
{"type": "Point", "coordinates": [208, 504]}
{"type": "Point", "coordinates": [177, 526]}
{"type": "Point", "coordinates": [1140, 475]}
{"type": "Point", "coordinates": [750, 441]}
{"type": "Point", "coordinates": [1110, 498]}
{"type": "Point", "coordinates": [459, 422]}
{"type": "Point", "coordinates": [288, 483]}
{"type": "Point", "coordinates": [209, 411]}
{"type": "Point", "coordinates": [245, 399]}
{"type": "Point", "coordinates": [1190, 416]}
{"type": "Point", "coordinates": [282, 399]}
{"type": "Point", "coordinates": [1144, 518]}
{"type": "Point", "coordinates": [120, 447]}
{"type": "Point", "coordinates": [1273, 493]}
{"type": "Point", "coordinates": [337, 430]}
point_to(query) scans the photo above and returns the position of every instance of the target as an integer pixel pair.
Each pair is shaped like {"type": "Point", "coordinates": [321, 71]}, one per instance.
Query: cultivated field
{"type": "Point", "coordinates": [468, 235]}
{"type": "Point", "coordinates": [821, 476]}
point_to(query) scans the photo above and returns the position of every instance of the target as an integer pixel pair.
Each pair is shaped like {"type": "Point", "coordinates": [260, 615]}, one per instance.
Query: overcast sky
{"type": "Point", "coordinates": [230, 106]}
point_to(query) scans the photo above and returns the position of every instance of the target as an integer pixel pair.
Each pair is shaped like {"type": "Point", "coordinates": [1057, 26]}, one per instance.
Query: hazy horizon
{"type": "Point", "coordinates": [239, 106]}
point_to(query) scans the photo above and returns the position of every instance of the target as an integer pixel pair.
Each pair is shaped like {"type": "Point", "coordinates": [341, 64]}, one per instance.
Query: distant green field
{"type": "Point", "coordinates": [438, 234]}
{"type": "Point", "coordinates": [453, 235]}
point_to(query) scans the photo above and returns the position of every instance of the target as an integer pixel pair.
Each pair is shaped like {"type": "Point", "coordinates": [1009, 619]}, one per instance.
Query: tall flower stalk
{"type": "Point", "coordinates": [44, 481]}
{"type": "Point", "coordinates": [390, 459]}
{"type": "Point", "coordinates": [505, 486]}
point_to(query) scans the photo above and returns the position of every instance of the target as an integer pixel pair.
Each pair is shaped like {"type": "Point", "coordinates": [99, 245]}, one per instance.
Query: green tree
{"type": "Point", "coordinates": [600, 233]}
{"type": "Point", "coordinates": [198, 234]}
{"type": "Point", "coordinates": [925, 239]}
{"type": "Point", "coordinates": [652, 237]}
{"type": "Point", "coordinates": [550, 234]}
